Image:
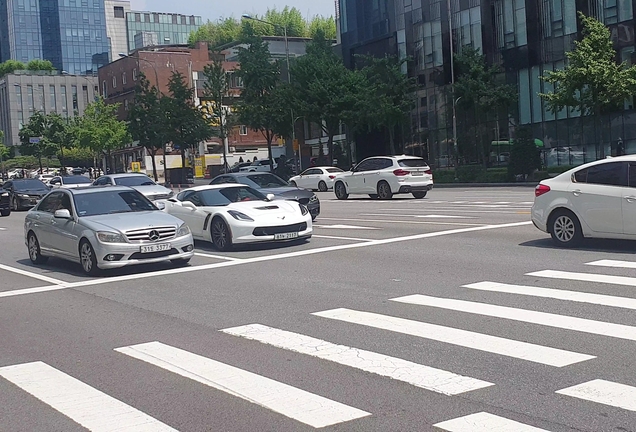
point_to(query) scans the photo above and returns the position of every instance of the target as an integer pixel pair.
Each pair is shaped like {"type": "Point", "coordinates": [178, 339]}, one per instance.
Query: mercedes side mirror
{"type": "Point", "coordinates": [160, 205]}
{"type": "Point", "coordinates": [270, 197]}
{"type": "Point", "coordinates": [62, 214]}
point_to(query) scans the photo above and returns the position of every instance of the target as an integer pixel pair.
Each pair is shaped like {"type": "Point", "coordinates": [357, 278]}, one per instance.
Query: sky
{"type": "Point", "coordinates": [215, 9]}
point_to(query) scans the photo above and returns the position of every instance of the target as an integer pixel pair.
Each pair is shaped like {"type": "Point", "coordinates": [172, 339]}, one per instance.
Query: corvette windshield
{"type": "Point", "coordinates": [225, 196]}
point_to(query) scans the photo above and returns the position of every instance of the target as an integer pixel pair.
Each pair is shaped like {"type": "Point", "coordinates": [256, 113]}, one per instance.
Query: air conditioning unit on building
{"type": "Point", "coordinates": [232, 149]}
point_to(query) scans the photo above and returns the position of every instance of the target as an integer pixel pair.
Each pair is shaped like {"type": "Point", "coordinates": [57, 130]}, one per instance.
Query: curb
{"type": "Point", "coordinates": [475, 185]}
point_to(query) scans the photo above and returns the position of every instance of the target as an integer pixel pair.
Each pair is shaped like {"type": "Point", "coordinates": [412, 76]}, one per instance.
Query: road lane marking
{"type": "Point", "coordinates": [340, 238]}
{"type": "Point", "coordinates": [575, 296]}
{"type": "Point", "coordinates": [80, 402]}
{"type": "Point", "coordinates": [479, 341]}
{"type": "Point", "coordinates": [584, 325]}
{"type": "Point", "coordinates": [297, 404]}
{"type": "Point", "coordinates": [31, 274]}
{"type": "Point", "coordinates": [403, 222]}
{"type": "Point", "coordinates": [206, 255]}
{"type": "Point", "coordinates": [585, 277]}
{"type": "Point", "coordinates": [604, 392]}
{"type": "Point", "coordinates": [437, 380]}
{"type": "Point", "coordinates": [352, 227]}
{"type": "Point", "coordinates": [265, 258]}
{"type": "Point", "coordinates": [485, 422]}
{"type": "Point", "coordinates": [613, 263]}
{"type": "Point", "coordinates": [453, 209]}
{"type": "Point", "coordinates": [429, 216]}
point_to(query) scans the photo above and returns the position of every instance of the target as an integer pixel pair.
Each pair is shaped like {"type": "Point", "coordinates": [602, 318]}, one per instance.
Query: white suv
{"type": "Point", "coordinates": [258, 166]}
{"type": "Point", "coordinates": [383, 176]}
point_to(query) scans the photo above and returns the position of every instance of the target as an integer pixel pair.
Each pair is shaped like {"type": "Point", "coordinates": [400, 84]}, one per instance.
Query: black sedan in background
{"type": "Point", "coordinates": [24, 193]}
{"type": "Point", "coordinates": [268, 183]}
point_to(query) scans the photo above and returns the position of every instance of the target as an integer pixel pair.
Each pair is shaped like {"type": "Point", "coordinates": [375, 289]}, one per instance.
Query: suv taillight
{"type": "Point", "coordinates": [541, 189]}
{"type": "Point", "coordinates": [401, 172]}
{"type": "Point", "coordinates": [428, 171]}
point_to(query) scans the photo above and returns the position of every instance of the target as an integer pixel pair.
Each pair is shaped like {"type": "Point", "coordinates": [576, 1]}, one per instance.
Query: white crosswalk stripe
{"type": "Point", "coordinates": [575, 296]}
{"type": "Point", "coordinates": [492, 344]}
{"type": "Point", "coordinates": [542, 318]}
{"type": "Point", "coordinates": [436, 380]}
{"type": "Point", "coordinates": [604, 392]}
{"type": "Point", "coordinates": [485, 422]}
{"type": "Point", "coordinates": [613, 263]}
{"type": "Point", "coordinates": [585, 277]}
{"type": "Point", "coordinates": [305, 407]}
{"type": "Point", "coordinates": [80, 402]}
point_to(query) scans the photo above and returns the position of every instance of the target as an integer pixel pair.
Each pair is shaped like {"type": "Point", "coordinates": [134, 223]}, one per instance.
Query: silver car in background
{"type": "Point", "coordinates": [137, 181]}
{"type": "Point", "coordinates": [104, 228]}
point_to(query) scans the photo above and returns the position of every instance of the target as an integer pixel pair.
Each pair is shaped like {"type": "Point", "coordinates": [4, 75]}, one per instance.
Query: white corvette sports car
{"type": "Point", "coordinates": [231, 214]}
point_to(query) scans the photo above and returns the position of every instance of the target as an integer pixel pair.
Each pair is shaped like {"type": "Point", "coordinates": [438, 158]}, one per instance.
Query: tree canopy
{"type": "Point", "coordinates": [226, 30]}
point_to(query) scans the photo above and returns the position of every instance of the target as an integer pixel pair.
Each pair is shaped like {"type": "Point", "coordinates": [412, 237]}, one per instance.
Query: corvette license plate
{"type": "Point", "coordinates": [155, 248]}
{"type": "Point", "coordinates": [286, 236]}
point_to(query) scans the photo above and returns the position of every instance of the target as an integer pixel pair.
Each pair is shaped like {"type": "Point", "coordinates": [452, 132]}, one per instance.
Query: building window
{"type": "Point", "coordinates": [147, 18]}
{"type": "Point", "coordinates": [126, 104]}
{"type": "Point", "coordinates": [18, 95]}
{"type": "Point", "coordinates": [30, 97]}
{"type": "Point", "coordinates": [74, 96]}
{"type": "Point", "coordinates": [174, 19]}
{"type": "Point", "coordinates": [135, 74]}
{"type": "Point", "coordinates": [558, 18]}
{"type": "Point", "coordinates": [429, 50]}
{"type": "Point", "coordinates": [85, 93]}
{"type": "Point", "coordinates": [183, 20]}
{"type": "Point", "coordinates": [510, 22]}
{"type": "Point", "coordinates": [63, 97]}
{"type": "Point", "coordinates": [52, 98]}
{"type": "Point", "coordinates": [192, 22]}
{"type": "Point", "coordinates": [119, 12]}
{"type": "Point", "coordinates": [114, 82]}
{"type": "Point", "coordinates": [104, 89]}
{"type": "Point", "coordinates": [123, 78]}
{"type": "Point", "coordinates": [242, 130]}
{"type": "Point", "coordinates": [137, 17]}
{"type": "Point", "coordinates": [41, 97]}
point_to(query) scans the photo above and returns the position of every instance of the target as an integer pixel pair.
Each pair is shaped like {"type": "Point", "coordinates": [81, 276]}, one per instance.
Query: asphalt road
{"type": "Point", "coordinates": [448, 313]}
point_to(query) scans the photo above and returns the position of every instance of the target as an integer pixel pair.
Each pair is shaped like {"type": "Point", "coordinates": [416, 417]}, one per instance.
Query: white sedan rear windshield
{"type": "Point", "coordinates": [412, 163]}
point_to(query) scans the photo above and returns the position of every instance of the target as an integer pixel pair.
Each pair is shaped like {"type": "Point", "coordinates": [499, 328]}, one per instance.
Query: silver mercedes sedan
{"type": "Point", "coordinates": [104, 228]}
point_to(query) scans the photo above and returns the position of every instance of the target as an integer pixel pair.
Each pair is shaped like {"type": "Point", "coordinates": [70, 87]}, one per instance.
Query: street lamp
{"type": "Point", "coordinates": [249, 17]}
{"type": "Point", "coordinates": [452, 70]}
{"type": "Point", "coordinates": [163, 145]}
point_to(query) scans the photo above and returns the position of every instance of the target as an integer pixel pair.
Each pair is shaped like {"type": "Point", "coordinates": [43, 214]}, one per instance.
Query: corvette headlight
{"type": "Point", "coordinates": [240, 216]}
{"type": "Point", "coordinates": [303, 209]}
{"type": "Point", "coordinates": [109, 237]}
{"type": "Point", "coordinates": [183, 230]}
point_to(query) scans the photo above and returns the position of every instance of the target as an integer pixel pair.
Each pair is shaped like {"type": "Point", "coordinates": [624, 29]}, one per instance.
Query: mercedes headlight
{"type": "Point", "coordinates": [6, 194]}
{"type": "Point", "coordinates": [240, 216]}
{"type": "Point", "coordinates": [303, 209]}
{"type": "Point", "coordinates": [24, 196]}
{"type": "Point", "coordinates": [313, 198]}
{"type": "Point", "coordinates": [109, 237]}
{"type": "Point", "coordinates": [183, 230]}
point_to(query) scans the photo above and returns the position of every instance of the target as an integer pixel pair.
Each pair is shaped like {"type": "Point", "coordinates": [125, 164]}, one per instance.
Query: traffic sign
{"type": "Point", "coordinates": [34, 140]}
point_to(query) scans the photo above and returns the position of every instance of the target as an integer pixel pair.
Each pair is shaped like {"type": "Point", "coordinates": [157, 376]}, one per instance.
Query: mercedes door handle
{"type": "Point", "coordinates": [630, 199]}
{"type": "Point", "coordinates": [576, 192]}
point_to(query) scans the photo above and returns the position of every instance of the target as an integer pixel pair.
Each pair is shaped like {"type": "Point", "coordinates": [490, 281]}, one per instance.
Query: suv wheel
{"type": "Point", "coordinates": [384, 191]}
{"type": "Point", "coordinates": [341, 191]}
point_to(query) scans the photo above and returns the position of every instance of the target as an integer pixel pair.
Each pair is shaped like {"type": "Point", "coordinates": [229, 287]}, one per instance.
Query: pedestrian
{"type": "Point", "coordinates": [241, 159]}
{"type": "Point", "coordinates": [90, 173]}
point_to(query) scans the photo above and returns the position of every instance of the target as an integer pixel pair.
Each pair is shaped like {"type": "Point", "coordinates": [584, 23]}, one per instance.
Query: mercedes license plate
{"type": "Point", "coordinates": [286, 236]}
{"type": "Point", "coordinates": [155, 248]}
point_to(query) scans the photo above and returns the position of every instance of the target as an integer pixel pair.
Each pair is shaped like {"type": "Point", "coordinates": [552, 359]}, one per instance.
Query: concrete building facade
{"type": "Point", "coordinates": [26, 92]}
{"type": "Point", "coordinates": [116, 11]}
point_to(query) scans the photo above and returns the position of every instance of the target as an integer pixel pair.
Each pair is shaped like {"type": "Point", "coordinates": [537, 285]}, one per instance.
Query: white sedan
{"type": "Point", "coordinates": [597, 199]}
{"type": "Point", "coordinates": [231, 214]}
{"type": "Point", "coordinates": [316, 178]}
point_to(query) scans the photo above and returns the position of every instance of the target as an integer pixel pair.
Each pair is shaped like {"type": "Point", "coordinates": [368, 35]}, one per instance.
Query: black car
{"type": "Point", "coordinates": [5, 203]}
{"type": "Point", "coordinates": [24, 193]}
{"type": "Point", "coordinates": [268, 183]}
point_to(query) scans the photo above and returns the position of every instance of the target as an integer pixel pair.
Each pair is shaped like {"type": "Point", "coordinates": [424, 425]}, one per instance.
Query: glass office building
{"type": "Point", "coordinates": [153, 28]}
{"type": "Point", "coordinates": [69, 33]}
{"type": "Point", "coordinates": [526, 38]}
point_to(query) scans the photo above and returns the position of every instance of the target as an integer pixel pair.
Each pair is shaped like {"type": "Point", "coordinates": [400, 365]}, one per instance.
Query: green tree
{"type": "Point", "coordinates": [390, 95]}
{"type": "Point", "coordinates": [216, 90]}
{"type": "Point", "coordinates": [40, 65]}
{"type": "Point", "coordinates": [60, 133]}
{"type": "Point", "coordinates": [263, 106]}
{"type": "Point", "coordinates": [591, 82]}
{"type": "Point", "coordinates": [11, 66]}
{"type": "Point", "coordinates": [479, 89]}
{"type": "Point", "coordinates": [524, 154]}
{"type": "Point", "coordinates": [76, 156]}
{"type": "Point", "coordinates": [217, 33]}
{"type": "Point", "coordinates": [37, 127]}
{"type": "Point", "coordinates": [147, 119]}
{"type": "Point", "coordinates": [327, 25]}
{"type": "Point", "coordinates": [291, 18]}
{"type": "Point", "coordinates": [100, 131]}
{"type": "Point", "coordinates": [186, 125]}
{"type": "Point", "coordinates": [324, 91]}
